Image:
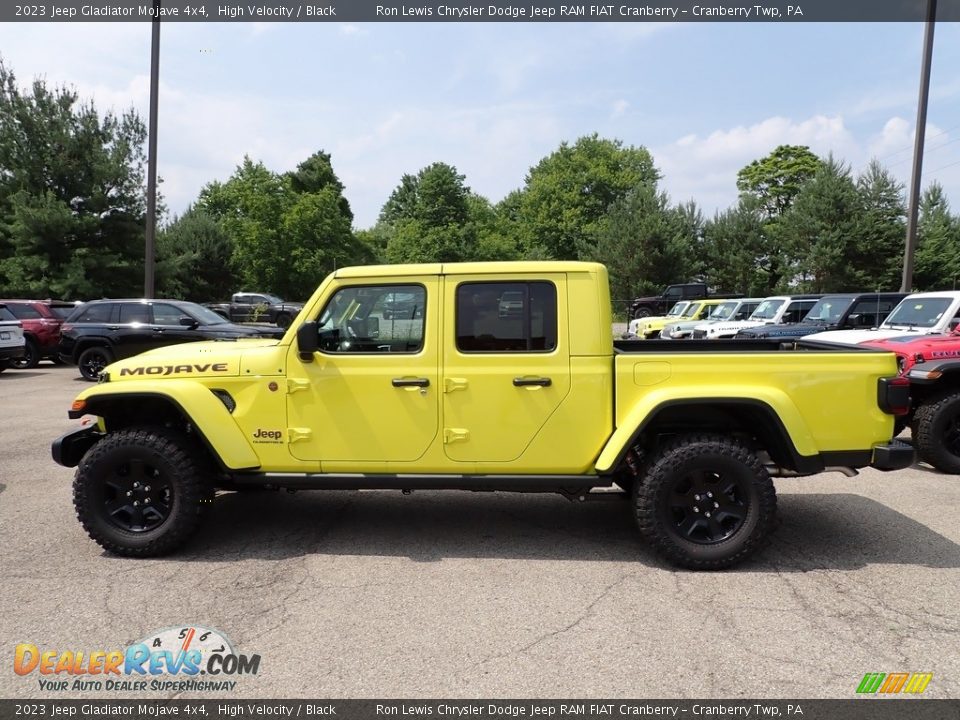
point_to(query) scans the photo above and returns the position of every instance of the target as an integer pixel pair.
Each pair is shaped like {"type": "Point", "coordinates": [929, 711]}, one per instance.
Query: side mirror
{"type": "Point", "coordinates": [308, 341]}
{"type": "Point", "coordinates": [954, 324]}
{"type": "Point", "coordinates": [188, 322]}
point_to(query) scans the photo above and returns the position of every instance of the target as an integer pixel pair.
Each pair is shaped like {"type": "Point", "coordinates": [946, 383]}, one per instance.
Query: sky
{"type": "Point", "coordinates": [492, 99]}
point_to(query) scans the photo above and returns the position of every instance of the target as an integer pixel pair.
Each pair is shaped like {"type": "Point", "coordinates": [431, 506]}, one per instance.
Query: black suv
{"type": "Point", "coordinates": [841, 311]}
{"type": "Point", "coordinates": [99, 332]}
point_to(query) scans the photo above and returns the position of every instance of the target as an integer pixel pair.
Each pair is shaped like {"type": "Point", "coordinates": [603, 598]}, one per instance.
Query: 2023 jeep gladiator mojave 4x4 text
{"type": "Point", "coordinates": [467, 397]}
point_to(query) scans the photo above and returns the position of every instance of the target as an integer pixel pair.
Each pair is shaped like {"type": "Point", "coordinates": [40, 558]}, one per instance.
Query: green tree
{"type": "Point", "coordinates": [646, 244]}
{"type": "Point", "coordinates": [819, 231]}
{"type": "Point", "coordinates": [937, 259]}
{"type": "Point", "coordinates": [288, 230]}
{"type": "Point", "coordinates": [773, 182]}
{"type": "Point", "coordinates": [561, 210]}
{"type": "Point", "coordinates": [875, 260]}
{"type": "Point", "coordinates": [195, 258]}
{"type": "Point", "coordinates": [72, 200]}
{"type": "Point", "coordinates": [316, 174]}
{"type": "Point", "coordinates": [733, 242]}
{"type": "Point", "coordinates": [433, 217]}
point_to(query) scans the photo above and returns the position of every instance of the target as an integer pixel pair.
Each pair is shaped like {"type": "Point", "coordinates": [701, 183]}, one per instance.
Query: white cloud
{"type": "Point", "coordinates": [619, 109]}
{"type": "Point", "coordinates": [705, 168]}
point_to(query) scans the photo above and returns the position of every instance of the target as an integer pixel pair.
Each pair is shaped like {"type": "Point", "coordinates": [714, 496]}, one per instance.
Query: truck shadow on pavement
{"type": "Point", "coordinates": [817, 531]}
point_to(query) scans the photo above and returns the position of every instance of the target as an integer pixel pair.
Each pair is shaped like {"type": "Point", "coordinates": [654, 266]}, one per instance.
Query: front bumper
{"type": "Point", "coordinates": [69, 449]}
{"type": "Point", "coordinates": [895, 455]}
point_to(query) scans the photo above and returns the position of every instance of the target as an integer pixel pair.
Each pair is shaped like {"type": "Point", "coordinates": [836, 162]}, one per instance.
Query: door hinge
{"type": "Point", "coordinates": [296, 385]}
{"type": "Point", "coordinates": [298, 434]}
{"type": "Point", "coordinates": [451, 384]}
{"type": "Point", "coordinates": [452, 435]}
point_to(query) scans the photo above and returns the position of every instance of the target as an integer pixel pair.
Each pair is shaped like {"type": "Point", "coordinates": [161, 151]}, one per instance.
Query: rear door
{"type": "Point", "coordinates": [506, 366]}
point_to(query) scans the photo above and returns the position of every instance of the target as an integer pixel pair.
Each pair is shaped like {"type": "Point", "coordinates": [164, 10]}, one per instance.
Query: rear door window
{"type": "Point", "coordinates": [506, 317]}
{"type": "Point", "coordinates": [99, 313]}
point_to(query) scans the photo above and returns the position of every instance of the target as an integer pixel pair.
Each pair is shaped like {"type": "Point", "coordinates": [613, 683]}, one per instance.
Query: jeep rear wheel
{"type": "Point", "coordinates": [706, 502]}
{"type": "Point", "coordinates": [936, 429]}
{"type": "Point", "coordinates": [92, 361]}
{"type": "Point", "coordinates": [642, 312]}
{"type": "Point", "coordinates": [140, 492]}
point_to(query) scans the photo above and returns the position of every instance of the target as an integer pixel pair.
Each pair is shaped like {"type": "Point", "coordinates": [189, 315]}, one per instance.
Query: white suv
{"type": "Point", "coordinates": [772, 311]}
{"type": "Point", "coordinates": [12, 344]}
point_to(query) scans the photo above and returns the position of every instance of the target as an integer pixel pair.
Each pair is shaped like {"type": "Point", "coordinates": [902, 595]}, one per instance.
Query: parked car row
{"type": "Point", "coordinates": [92, 335]}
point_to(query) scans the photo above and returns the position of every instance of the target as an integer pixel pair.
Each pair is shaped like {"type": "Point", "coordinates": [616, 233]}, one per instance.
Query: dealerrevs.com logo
{"type": "Point", "coordinates": [179, 659]}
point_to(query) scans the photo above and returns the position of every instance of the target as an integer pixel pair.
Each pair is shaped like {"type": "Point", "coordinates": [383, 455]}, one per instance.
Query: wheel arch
{"type": "Point", "coordinates": [726, 415]}
{"type": "Point", "coordinates": [202, 414]}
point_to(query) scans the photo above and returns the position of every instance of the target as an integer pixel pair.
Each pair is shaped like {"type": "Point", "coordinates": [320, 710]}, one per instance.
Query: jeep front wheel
{"type": "Point", "coordinates": [706, 502]}
{"type": "Point", "coordinates": [140, 492]}
{"type": "Point", "coordinates": [936, 429]}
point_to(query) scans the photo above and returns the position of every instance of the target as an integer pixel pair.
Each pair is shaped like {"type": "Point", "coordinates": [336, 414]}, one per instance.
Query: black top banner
{"type": "Point", "coordinates": [477, 11]}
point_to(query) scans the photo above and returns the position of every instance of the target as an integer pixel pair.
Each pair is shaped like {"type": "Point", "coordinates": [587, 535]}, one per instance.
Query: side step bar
{"type": "Point", "coordinates": [566, 484]}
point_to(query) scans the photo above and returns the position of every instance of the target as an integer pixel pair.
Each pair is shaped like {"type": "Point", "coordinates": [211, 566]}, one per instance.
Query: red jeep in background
{"type": "Point", "coordinates": [41, 321]}
{"type": "Point", "coordinates": [932, 364]}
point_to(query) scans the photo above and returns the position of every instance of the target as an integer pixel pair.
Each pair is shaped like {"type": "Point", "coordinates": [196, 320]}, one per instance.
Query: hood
{"type": "Point", "coordinates": [855, 337]}
{"type": "Point", "coordinates": [195, 359]}
{"type": "Point", "coordinates": [233, 330]}
{"type": "Point", "coordinates": [638, 324]}
{"type": "Point", "coordinates": [786, 329]}
{"type": "Point", "coordinates": [725, 328]}
{"type": "Point", "coordinates": [929, 345]}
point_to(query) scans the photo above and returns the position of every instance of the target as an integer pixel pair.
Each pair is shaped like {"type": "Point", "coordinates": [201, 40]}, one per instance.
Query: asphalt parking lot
{"type": "Point", "coordinates": [376, 594]}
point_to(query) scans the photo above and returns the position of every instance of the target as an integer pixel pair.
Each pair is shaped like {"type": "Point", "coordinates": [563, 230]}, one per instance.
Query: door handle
{"type": "Point", "coordinates": [525, 382]}
{"type": "Point", "coordinates": [411, 382]}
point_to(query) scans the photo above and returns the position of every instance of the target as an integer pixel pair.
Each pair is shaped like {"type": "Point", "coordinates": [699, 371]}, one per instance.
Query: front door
{"type": "Point", "coordinates": [506, 367]}
{"type": "Point", "coordinates": [370, 394]}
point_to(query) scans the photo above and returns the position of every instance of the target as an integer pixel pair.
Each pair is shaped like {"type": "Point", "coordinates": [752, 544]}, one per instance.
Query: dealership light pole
{"type": "Point", "coordinates": [913, 209]}
{"type": "Point", "coordinates": [150, 259]}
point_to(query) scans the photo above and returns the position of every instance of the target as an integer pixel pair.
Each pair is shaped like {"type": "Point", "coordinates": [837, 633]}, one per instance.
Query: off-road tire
{"type": "Point", "coordinates": [31, 356]}
{"type": "Point", "coordinates": [936, 431]}
{"type": "Point", "coordinates": [284, 320]}
{"type": "Point", "coordinates": [168, 457]}
{"type": "Point", "coordinates": [642, 312]}
{"type": "Point", "coordinates": [91, 359]}
{"type": "Point", "coordinates": [741, 486]}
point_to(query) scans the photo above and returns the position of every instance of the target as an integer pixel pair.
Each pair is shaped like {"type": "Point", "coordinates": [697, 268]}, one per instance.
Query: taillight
{"type": "Point", "coordinates": [893, 395]}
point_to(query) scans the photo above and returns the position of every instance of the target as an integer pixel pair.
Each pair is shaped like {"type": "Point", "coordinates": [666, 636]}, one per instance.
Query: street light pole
{"type": "Point", "coordinates": [150, 259]}
{"type": "Point", "coordinates": [913, 209]}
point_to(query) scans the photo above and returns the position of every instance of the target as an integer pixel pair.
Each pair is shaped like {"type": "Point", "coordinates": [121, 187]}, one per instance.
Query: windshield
{"type": "Point", "coordinates": [677, 309]}
{"type": "Point", "coordinates": [767, 310]}
{"type": "Point", "coordinates": [273, 300]}
{"type": "Point", "coordinates": [204, 315]}
{"type": "Point", "coordinates": [919, 312]}
{"type": "Point", "coordinates": [722, 311]}
{"type": "Point", "coordinates": [828, 310]}
{"type": "Point", "coordinates": [691, 310]}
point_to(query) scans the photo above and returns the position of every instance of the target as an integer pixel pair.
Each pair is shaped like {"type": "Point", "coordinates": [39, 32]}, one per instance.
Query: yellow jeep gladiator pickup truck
{"type": "Point", "coordinates": [506, 379]}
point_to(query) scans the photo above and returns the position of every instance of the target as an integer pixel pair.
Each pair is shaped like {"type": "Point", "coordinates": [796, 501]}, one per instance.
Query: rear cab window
{"type": "Point", "coordinates": [506, 317]}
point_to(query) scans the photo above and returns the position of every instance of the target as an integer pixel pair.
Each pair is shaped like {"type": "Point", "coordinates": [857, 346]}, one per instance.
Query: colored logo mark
{"type": "Point", "coordinates": [893, 683]}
